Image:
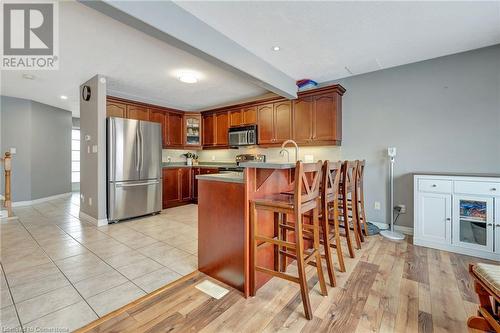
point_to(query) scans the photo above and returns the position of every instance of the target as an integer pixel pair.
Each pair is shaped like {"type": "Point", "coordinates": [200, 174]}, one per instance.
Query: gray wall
{"type": "Point", "coordinates": [443, 115]}
{"type": "Point", "coordinates": [41, 135]}
{"type": "Point", "coordinates": [93, 165]}
{"type": "Point", "coordinates": [50, 150]}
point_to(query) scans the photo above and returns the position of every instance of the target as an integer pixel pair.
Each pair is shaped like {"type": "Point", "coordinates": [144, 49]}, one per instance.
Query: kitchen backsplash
{"type": "Point", "coordinates": [272, 154]}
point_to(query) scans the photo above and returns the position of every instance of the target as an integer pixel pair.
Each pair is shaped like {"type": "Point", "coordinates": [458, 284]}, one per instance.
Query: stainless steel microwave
{"type": "Point", "coordinates": [243, 136]}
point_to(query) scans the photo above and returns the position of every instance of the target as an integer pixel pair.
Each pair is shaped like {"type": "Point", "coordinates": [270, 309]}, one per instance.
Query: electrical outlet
{"type": "Point", "coordinates": [376, 206]}
{"type": "Point", "coordinates": [401, 209]}
{"type": "Point", "coordinates": [213, 157]}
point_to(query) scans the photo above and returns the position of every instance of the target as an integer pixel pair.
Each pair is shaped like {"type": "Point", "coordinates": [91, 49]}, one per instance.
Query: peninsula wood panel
{"type": "Point", "coordinates": [222, 231]}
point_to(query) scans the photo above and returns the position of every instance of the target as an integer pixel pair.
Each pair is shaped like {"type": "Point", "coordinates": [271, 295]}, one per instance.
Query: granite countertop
{"type": "Point", "coordinates": [228, 177]}
{"type": "Point", "coordinates": [201, 165]}
{"type": "Point", "coordinates": [267, 165]}
{"type": "Point", "coordinates": [458, 174]}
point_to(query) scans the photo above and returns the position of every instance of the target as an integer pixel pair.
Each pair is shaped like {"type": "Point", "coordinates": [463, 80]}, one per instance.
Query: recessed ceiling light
{"type": "Point", "coordinates": [188, 77]}
{"type": "Point", "coordinates": [28, 76]}
{"type": "Point", "coordinates": [64, 97]}
{"type": "Point", "coordinates": [276, 48]}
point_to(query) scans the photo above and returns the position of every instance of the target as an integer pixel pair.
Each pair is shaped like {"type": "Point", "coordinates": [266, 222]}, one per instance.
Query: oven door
{"type": "Point", "coordinates": [239, 138]}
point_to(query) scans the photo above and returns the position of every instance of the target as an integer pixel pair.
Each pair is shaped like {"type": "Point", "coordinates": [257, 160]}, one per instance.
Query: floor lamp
{"type": "Point", "coordinates": [390, 233]}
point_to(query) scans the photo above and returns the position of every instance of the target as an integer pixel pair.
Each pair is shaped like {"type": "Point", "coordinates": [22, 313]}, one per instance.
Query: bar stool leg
{"type": "Point", "coordinates": [319, 266]}
{"type": "Point", "coordinates": [328, 251]}
{"type": "Point", "coordinates": [338, 244]}
{"type": "Point", "coordinates": [283, 236]}
{"type": "Point", "coordinates": [345, 215]}
{"type": "Point", "coordinates": [355, 221]}
{"type": "Point", "coordinates": [304, 291]}
{"type": "Point", "coordinates": [253, 258]}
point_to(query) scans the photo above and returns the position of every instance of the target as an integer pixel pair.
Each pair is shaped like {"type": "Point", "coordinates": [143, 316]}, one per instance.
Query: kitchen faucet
{"type": "Point", "coordinates": [283, 150]}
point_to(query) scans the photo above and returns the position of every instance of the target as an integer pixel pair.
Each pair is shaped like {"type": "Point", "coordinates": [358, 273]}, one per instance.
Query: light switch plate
{"type": "Point", "coordinates": [13, 150]}
{"type": "Point", "coordinates": [94, 148]}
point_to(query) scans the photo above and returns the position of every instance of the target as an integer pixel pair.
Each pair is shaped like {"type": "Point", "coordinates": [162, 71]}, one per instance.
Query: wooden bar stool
{"type": "Point", "coordinates": [305, 199]}
{"type": "Point", "coordinates": [348, 212]}
{"type": "Point", "coordinates": [330, 214]}
{"type": "Point", "coordinates": [360, 197]}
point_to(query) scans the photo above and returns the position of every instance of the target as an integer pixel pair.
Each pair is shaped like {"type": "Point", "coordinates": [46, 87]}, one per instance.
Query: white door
{"type": "Point", "coordinates": [434, 218]}
{"type": "Point", "coordinates": [497, 225]}
{"type": "Point", "coordinates": [473, 222]}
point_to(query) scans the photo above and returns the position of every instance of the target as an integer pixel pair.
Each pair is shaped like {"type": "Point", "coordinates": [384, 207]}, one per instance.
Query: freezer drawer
{"type": "Point", "coordinates": [131, 199]}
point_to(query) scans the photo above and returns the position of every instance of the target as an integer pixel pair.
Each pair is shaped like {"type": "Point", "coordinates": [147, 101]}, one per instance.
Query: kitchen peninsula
{"type": "Point", "coordinates": [224, 223]}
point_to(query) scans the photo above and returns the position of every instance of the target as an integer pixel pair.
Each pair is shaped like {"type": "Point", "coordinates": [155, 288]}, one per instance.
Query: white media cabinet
{"type": "Point", "coordinates": [458, 213]}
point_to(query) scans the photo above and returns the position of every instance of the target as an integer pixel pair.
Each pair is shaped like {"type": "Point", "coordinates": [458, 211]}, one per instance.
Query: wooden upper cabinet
{"type": "Point", "coordinates": [115, 109]}
{"type": "Point", "coordinates": [192, 130]}
{"type": "Point", "coordinates": [249, 115]}
{"type": "Point", "coordinates": [303, 120]}
{"type": "Point", "coordinates": [221, 128]}
{"type": "Point", "coordinates": [282, 121]}
{"type": "Point", "coordinates": [175, 130]}
{"type": "Point", "coordinates": [208, 129]}
{"type": "Point", "coordinates": [159, 116]}
{"type": "Point", "coordinates": [265, 116]}
{"type": "Point", "coordinates": [327, 118]}
{"type": "Point", "coordinates": [137, 112]}
{"type": "Point", "coordinates": [235, 117]}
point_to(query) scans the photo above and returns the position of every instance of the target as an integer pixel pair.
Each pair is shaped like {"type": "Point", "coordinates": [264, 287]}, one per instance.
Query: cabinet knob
{"type": "Point", "coordinates": [494, 189]}
{"type": "Point", "coordinates": [434, 185]}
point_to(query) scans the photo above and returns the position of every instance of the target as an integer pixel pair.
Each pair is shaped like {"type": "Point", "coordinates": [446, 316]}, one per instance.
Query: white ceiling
{"type": "Point", "coordinates": [319, 39]}
{"type": "Point", "coordinates": [136, 65]}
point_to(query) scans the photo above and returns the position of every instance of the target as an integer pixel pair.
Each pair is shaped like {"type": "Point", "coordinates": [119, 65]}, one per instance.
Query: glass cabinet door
{"type": "Point", "coordinates": [473, 222]}
{"type": "Point", "coordinates": [193, 130]}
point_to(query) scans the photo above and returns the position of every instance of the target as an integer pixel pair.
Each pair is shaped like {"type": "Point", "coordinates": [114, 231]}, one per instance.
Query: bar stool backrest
{"type": "Point", "coordinates": [349, 176]}
{"type": "Point", "coordinates": [359, 173]}
{"type": "Point", "coordinates": [307, 181]}
{"type": "Point", "coordinates": [331, 180]}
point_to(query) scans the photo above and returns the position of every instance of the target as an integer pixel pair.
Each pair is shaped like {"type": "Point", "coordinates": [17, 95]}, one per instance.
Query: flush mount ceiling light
{"type": "Point", "coordinates": [276, 48]}
{"type": "Point", "coordinates": [188, 77]}
{"type": "Point", "coordinates": [28, 76]}
{"type": "Point", "coordinates": [64, 97]}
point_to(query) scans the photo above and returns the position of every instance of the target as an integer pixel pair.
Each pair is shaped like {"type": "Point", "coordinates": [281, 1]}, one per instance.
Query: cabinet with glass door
{"type": "Point", "coordinates": [192, 130]}
{"type": "Point", "coordinates": [473, 222]}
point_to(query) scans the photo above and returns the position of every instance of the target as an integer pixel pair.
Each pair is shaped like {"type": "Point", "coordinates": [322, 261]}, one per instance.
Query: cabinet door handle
{"type": "Point", "coordinates": [494, 189]}
{"type": "Point", "coordinates": [490, 224]}
{"type": "Point", "coordinates": [434, 185]}
{"type": "Point", "coordinates": [448, 219]}
{"type": "Point", "coordinates": [497, 225]}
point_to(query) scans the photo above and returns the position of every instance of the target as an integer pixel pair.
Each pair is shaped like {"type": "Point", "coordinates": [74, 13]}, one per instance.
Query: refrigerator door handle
{"type": "Point", "coordinates": [137, 144]}
{"type": "Point", "coordinates": [142, 147]}
{"type": "Point", "coordinates": [138, 184]}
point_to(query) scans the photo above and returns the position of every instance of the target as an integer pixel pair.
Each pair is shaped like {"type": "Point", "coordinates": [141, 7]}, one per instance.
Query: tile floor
{"type": "Point", "coordinates": [59, 272]}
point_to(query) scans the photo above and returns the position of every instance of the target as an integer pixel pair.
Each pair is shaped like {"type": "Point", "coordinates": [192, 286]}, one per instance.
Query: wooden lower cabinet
{"type": "Point", "coordinates": [180, 185]}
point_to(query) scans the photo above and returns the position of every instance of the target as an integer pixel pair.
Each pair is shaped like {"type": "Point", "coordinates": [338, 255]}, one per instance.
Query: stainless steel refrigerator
{"type": "Point", "coordinates": [133, 167]}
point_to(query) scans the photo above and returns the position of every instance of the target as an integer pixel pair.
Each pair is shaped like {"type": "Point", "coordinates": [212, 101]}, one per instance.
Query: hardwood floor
{"type": "Point", "coordinates": [388, 287]}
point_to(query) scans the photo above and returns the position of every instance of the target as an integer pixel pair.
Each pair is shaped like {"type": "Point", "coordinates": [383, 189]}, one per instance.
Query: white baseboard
{"type": "Point", "coordinates": [93, 220]}
{"type": "Point", "coordinates": [37, 201]}
{"type": "Point", "coordinates": [457, 249]}
{"type": "Point", "coordinates": [404, 230]}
